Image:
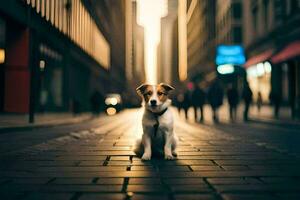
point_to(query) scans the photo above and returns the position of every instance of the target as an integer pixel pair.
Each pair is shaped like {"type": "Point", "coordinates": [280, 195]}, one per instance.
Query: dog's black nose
{"type": "Point", "coordinates": [153, 102]}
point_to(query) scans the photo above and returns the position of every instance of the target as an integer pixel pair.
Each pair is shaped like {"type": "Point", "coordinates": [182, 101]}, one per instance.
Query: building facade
{"type": "Point", "coordinates": [201, 35]}
{"type": "Point", "coordinates": [167, 47]}
{"type": "Point", "coordinates": [57, 53]}
{"type": "Point", "coordinates": [273, 48]}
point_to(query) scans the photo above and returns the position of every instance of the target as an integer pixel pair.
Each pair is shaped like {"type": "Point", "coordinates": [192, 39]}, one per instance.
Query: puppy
{"type": "Point", "coordinates": [158, 135]}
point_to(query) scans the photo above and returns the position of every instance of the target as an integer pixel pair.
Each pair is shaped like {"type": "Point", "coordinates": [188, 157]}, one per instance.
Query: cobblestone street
{"type": "Point", "coordinates": [98, 163]}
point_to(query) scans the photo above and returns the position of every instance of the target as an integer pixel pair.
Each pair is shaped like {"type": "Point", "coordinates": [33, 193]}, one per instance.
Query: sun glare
{"type": "Point", "coordinates": [149, 13]}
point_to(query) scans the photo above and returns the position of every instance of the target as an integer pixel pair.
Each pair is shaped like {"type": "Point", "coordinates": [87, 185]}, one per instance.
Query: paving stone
{"type": "Point", "coordinates": [142, 168]}
{"type": "Point", "coordinates": [257, 188]}
{"type": "Point", "coordinates": [50, 196]}
{"type": "Point", "coordinates": [205, 168]}
{"type": "Point", "coordinates": [144, 181]}
{"type": "Point", "coordinates": [81, 188]}
{"type": "Point", "coordinates": [118, 163]}
{"type": "Point", "coordinates": [96, 196]}
{"type": "Point", "coordinates": [248, 197]}
{"type": "Point", "coordinates": [233, 181]}
{"type": "Point", "coordinates": [183, 181]}
{"type": "Point", "coordinates": [194, 197]}
{"type": "Point", "coordinates": [149, 197]}
{"type": "Point", "coordinates": [120, 158]}
{"type": "Point", "coordinates": [190, 188]}
{"type": "Point", "coordinates": [73, 181]}
{"type": "Point", "coordinates": [31, 180]}
{"type": "Point", "coordinates": [174, 168]}
{"type": "Point", "coordinates": [110, 181]}
{"type": "Point", "coordinates": [145, 188]}
{"type": "Point", "coordinates": [81, 169]}
{"type": "Point", "coordinates": [235, 167]}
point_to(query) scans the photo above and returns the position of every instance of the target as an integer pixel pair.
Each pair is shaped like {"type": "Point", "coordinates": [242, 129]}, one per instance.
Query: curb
{"type": "Point", "coordinates": [38, 126]}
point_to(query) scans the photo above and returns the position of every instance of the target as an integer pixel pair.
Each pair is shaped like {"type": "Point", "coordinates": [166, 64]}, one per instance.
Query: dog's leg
{"type": "Point", "coordinates": [174, 146]}
{"type": "Point", "coordinates": [147, 147]}
{"type": "Point", "coordinates": [168, 146]}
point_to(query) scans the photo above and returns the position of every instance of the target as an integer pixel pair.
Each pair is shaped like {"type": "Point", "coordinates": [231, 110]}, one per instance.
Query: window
{"type": "Point", "coordinates": [255, 18]}
{"type": "Point", "coordinates": [266, 13]}
{"type": "Point", "coordinates": [237, 10]}
{"type": "Point", "coordinates": [237, 35]}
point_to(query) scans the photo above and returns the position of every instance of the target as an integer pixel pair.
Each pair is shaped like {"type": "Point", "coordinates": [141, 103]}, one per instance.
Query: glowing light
{"type": "Point", "coordinates": [268, 67]}
{"type": "Point", "coordinates": [182, 39]}
{"type": "Point", "coordinates": [148, 16]}
{"type": "Point", "coordinates": [111, 111]}
{"type": "Point", "coordinates": [260, 69]}
{"type": "Point", "coordinates": [111, 101]}
{"type": "Point", "coordinates": [2, 56]}
{"type": "Point", "coordinates": [225, 69]}
{"type": "Point", "coordinates": [42, 65]}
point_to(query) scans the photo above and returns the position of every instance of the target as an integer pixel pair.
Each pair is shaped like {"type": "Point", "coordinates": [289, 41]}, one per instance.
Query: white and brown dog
{"type": "Point", "coordinates": [158, 134]}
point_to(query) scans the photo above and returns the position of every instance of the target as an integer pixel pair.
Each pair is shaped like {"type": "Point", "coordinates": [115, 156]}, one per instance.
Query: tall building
{"type": "Point", "coordinates": [201, 40]}
{"type": "Point", "coordinates": [166, 69]}
{"type": "Point", "coordinates": [135, 66]}
{"type": "Point", "coordinates": [272, 41]}
{"type": "Point", "coordinates": [55, 54]}
{"type": "Point", "coordinates": [229, 21]}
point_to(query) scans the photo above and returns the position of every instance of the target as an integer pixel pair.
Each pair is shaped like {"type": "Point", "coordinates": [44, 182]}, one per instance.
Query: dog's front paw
{"type": "Point", "coordinates": [174, 153]}
{"type": "Point", "coordinates": [169, 157]}
{"type": "Point", "coordinates": [146, 157]}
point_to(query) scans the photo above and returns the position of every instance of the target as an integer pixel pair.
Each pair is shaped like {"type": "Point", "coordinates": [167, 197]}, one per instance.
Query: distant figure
{"type": "Point", "coordinates": [247, 96]}
{"type": "Point", "coordinates": [179, 101]}
{"type": "Point", "coordinates": [75, 107]}
{"type": "Point", "coordinates": [259, 101]}
{"type": "Point", "coordinates": [96, 101]}
{"type": "Point", "coordinates": [233, 100]}
{"type": "Point", "coordinates": [198, 100]}
{"type": "Point", "coordinates": [275, 100]}
{"type": "Point", "coordinates": [186, 103]}
{"type": "Point", "coordinates": [215, 99]}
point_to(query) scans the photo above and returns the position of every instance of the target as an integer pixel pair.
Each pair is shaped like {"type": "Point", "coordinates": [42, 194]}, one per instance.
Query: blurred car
{"type": "Point", "coordinates": [113, 103]}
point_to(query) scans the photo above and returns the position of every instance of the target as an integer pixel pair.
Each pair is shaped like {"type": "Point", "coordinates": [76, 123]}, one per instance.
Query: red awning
{"type": "Point", "coordinates": [290, 51]}
{"type": "Point", "coordinates": [259, 58]}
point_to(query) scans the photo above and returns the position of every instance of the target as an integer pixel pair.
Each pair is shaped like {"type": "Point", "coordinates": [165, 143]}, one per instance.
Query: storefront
{"type": "Point", "coordinates": [258, 70]}
{"type": "Point", "coordinates": [288, 61]}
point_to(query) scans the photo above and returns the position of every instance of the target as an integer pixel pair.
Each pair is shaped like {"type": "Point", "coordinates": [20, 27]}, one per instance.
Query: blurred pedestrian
{"type": "Point", "coordinates": [215, 99]}
{"type": "Point", "coordinates": [247, 96]}
{"type": "Point", "coordinates": [198, 100]}
{"type": "Point", "coordinates": [275, 100]}
{"type": "Point", "coordinates": [233, 100]}
{"type": "Point", "coordinates": [179, 101]}
{"type": "Point", "coordinates": [75, 107]}
{"type": "Point", "coordinates": [186, 103]}
{"type": "Point", "coordinates": [259, 101]}
{"type": "Point", "coordinates": [97, 101]}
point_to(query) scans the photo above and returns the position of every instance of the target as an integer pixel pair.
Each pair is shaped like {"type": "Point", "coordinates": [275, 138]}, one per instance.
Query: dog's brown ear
{"type": "Point", "coordinates": [167, 87]}
{"type": "Point", "coordinates": [141, 89]}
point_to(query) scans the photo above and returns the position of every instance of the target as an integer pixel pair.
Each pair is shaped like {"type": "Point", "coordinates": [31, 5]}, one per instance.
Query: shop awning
{"type": "Point", "coordinates": [259, 58]}
{"type": "Point", "coordinates": [288, 52]}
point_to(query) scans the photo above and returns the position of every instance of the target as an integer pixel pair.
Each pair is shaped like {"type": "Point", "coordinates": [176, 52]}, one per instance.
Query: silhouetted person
{"type": "Point", "coordinates": [233, 100]}
{"type": "Point", "coordinates": [75, 107]}
{"type": "Point", "coordinates": [96, 102]}
{"type": "Point", "coordinates": [179, 101]}
{"type": "Point", "coordinates": [215, 99]}
{"type": "Point", "coordinates": [186, 103]}
{"type": "Point", "coordinates": [275, 100]}
{"type": "Point", "coordinates": [247, 96]}
{"type": "Point", "coordinates": [198, 100]}
{"type": "Point", "coordinates": [259, 101]}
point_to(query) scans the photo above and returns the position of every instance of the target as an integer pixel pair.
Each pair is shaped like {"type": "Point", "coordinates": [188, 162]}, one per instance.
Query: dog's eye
{"type": "Point", "coordinates": [160, 93]}
{"type": "Point", "coordinates": [148, 93]}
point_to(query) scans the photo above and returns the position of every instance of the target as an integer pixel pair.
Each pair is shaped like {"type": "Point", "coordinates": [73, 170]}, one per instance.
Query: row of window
{"type": "Point", "coordinates": [71, 18]}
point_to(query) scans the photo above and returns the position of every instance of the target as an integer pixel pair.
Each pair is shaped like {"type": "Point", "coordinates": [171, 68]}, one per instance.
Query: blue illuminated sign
{"type": "Point", "coordinates": [230, 54]}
